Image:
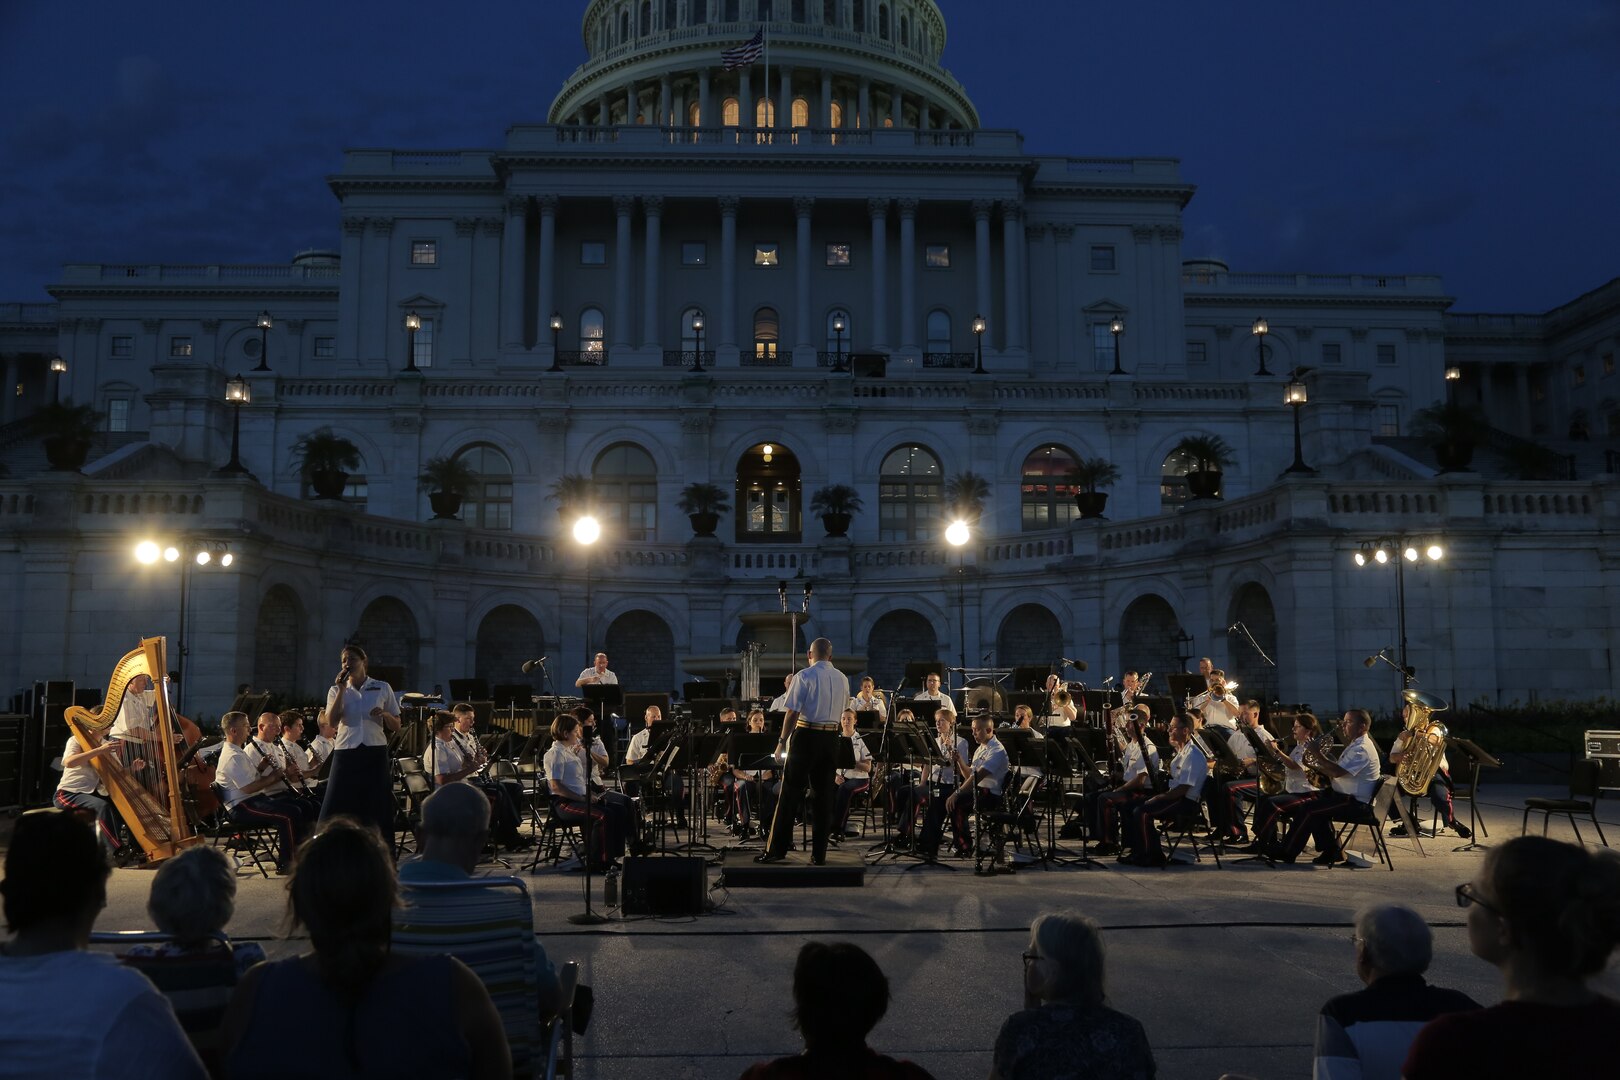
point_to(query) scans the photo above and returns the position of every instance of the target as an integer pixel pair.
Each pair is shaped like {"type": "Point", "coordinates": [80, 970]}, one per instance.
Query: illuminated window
{"type": "Point", "coordinates": [767, 333]}
{"type": "Point", "coordinates": [765, 255]}
{"type": "Point", "coordinates": [910, 495]}
{"type": "Point", "coordinates": [768, 495]}
{"type": "Point", "coordinates": [1046, 495]}
{"type": "Point", "coordinates": [179, 346]}
{"type": "Point", "coordinates": [729, 112]}
{"type": "Point", "coordinates": [837, 254]}
{"type": "Point", "coordinates": [424, 253]}
{"type": "Point", "coordinates": [592, 331]}
{"type": "Point", "coordinates": [937, 256]}
{"type": "Point", "coordinates": [801, 113]}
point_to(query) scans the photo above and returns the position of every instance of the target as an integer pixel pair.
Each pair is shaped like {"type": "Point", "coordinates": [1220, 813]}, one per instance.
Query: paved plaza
{"type": "Point", "coordinates": [1226, 968]}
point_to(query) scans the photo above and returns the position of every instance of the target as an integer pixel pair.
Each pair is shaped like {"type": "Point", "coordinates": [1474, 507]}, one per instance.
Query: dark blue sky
{"type": "Point", "coordinates": [1477, 140]}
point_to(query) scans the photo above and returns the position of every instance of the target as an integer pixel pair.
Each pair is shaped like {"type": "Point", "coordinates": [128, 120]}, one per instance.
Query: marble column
{"type": "Point", "coordinates": [1012, 258]}
{"type": "Point", "coordinates": [353, 274]}
{"type": "Point", "coordinates": [802, 207]}
{"type": "Point", "coordinates": [981, 259]}
{"type": "Point", "coordinates": [8, 391]}
{"type": "Point", "coordinates": [706, 115]}
{"type": "Point", "coordinates": [665, 101]}
{"type": "Point", "coordinates": [1067, 300]}
{"type": "Point", "coordinates": [908, 275]}
{"type": "Point", "coordinates": [631, 108]}
{"type": "Point", "coordinates": [1143, 333]}
{"type": "Point", "coordinates": [784, 100]}
{"type": "Point", "coordinates": [866, 103]}
{"type": "Point", "coordinates": [653, 207]}
{"type": "Point", "coordinates": [548, 258]}
{"type": "Point", "coordinates": [745, 99]}
{"type": "Point", "coordinates": [826, 103]}
{"type": "Point", "coordinates": [1521, 395]}
{"type": "Point", "coordinates": [897, 105]}
{"type": "Point", "coordinates": [621, 332]}
{"type": "Point", "coordinates": [728, 271]}
{"type": "Point", "coordinates": [878, 210]}
{"type": "Point", "coordinates": [512, 291]}
{"type": "Point", "coordinates": [604, 110]}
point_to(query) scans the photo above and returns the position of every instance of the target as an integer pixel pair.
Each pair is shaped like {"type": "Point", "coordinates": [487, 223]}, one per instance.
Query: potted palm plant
{"type": "Point", "coordinates": [1087, 476]}
{"type": "Point", "coordinates": [837, 504]}
{"type": "Point", "coordinates": [1210, 455]}
{"type": "Point", "coordinates": [325, 460]}
{"type": "Point", "coordinates": [703, 503]}
{"type": "Point", "coordinates": [572, 493]}
{"type": "Point", "coordinates": [447, 481]}
{"type": "Point", "coordinates": [1452, 431]}
{"type": "Point", "coordinates": [66, 432]}
{"type": "Point", "coordinates": [965, 494]}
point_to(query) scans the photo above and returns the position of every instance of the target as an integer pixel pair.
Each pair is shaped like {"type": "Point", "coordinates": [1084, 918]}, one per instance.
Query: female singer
{"type": "Point", "coordinates": [366, 713]}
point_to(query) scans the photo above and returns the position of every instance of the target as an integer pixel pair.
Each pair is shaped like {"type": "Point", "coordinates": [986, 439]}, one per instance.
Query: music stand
{"type": "Point", "coordinates": [1184, 685]}
{"type": "Point", "coordinates": [1024, 747]}
{"type": "Point", "coordinates": [754, 752]}
{"type": "Point", "coordinates": [1067, 757]}
{"type": "Point", "coordinates": [469, 689]}
{"type": "Point", "coordinates": [1477, 759]}
{"type": "Point", "coordinates": [605, 699]}
{"type": "Point", "coordinates": [917, 671]}
{"type": "Point", "coordinates": [868, 720]}
{"type": "Point", "coordinates": [911, 747]}
{"type": "Point", "coordinates": [702, 751]}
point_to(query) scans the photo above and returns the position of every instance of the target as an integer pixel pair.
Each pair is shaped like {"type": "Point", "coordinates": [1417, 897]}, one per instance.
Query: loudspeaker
{"type": "Point", "coordinates": [44, 735]}
{"type": "Point", "coordinates": [11, 758]}
{"type": "Point", "coordinates": [1604, 748]}
{"type": "Point", "coordinates": [665, 885]}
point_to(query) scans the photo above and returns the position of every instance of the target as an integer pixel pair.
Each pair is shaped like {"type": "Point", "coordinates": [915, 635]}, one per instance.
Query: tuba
{"type": "Point", "coordinates": [1425, 742]}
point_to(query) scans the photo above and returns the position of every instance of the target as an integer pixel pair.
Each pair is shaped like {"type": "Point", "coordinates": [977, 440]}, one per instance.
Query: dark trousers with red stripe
{"type": "Point", "coordinates": [1439, 798]}
{"type": "Point", "coordinates": [1106, 809]}
{"type": "Point", "coordinates": [746, 794]}
{"type": "Point", "coordinates": [1316, 823]}
{"type": "Point", "coordinates": [1236, 792]}
{"type": "Point", "coordinates": [845, 797]}
{"type": "Point", "coordinates": [289, 815]}
{"type": "Point", "coordinates": [1271, 809]}
{"type": "Point", "coordinates": [106, 814]}
{"type": "Point", "coordinates": [608, 816]}
{"type": "Point", "coordinates": [962, 815]}
{"type": "Point", "coordinates": [1143, 835]}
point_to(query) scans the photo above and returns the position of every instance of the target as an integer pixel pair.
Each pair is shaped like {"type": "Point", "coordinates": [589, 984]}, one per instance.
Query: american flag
{"type": "Point", "coordinates": [746, 53]}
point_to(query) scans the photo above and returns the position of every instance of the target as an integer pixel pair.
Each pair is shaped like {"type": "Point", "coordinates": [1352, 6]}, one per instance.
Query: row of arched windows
{"type": "Point", "coordinates": [630, 22]}
{"type": "Point", "coordinates": [767, 331]}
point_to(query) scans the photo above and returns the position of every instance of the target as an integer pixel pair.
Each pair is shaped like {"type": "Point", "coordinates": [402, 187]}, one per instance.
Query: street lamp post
{"type": "Point", "coordinates": [413, 323]}
{"type": "Point", "coordinates": [264, 323]}
{"type": "Point", "coordinates": [59, 368]}
{"type": "Point", "coordinates": [587, 531]}
{"type": "Point", "coordinates": [556, 337]}
{"type": "Point", "coordinates": [1260, 329]}
{"type": "Point", "coordinates": [1403, 550]}
{"type": "Point", "coordinates": [957, 534]}
{"type": "Point", "coordinates": [979, 327]}
{"type": "Point", "coordinates": [839, 326]}
{"type": "Point", "coordinates": [1294, 396]}
{"type": "Point", "coordinates": [1116, 327]}
{"type": "Point", "coordinates": [188, 551]}
{"type": "Point", "coordinates": [237, 393]}
{"type": "Point", "coordinates": [1453, 376]}
{"type": "Point", "coordinates": [697, 333]}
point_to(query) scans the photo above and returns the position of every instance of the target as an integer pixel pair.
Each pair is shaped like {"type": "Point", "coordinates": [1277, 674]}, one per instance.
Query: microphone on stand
{"type": "Point", "coordinates": [530, 665]}
{"type": "Point", "coordinates": [1108, 680]}
{"type": "Point", "coordinates": [1234, 628]}
{"type": "Point", "coordinates": [1078, 665]}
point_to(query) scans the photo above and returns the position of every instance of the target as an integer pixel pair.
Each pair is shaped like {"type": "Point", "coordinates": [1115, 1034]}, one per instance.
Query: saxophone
{"type": "Point", "coordinates": [1425, 743]}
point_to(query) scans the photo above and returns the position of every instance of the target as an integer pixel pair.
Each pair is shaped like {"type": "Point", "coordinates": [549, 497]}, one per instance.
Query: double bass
{"type": "Point", "coordinates": [151, 799]}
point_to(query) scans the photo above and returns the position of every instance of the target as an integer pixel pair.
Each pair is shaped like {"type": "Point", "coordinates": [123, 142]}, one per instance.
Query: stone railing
{"type": "Point", "coordinates": [746, 561]}
{"type": "Point", "coordinates": [1423, 283]}
{"type": "Point", "coordinates": [1358, 501]}
{"type": "Point", "coordinates": [901, 555]}
{"type": "Point", "coordinates": [1038, 548]}
{"type": "Point", "coordinates": [1190, 392]}
{"type": "Point", "coordinates": [1166, 532]}
{"type": "Point", "coordinates": [1532, 500]}
{"type": "Point", "coordinates": [156, 500]}
{"type": "Point", "coordinates": [31, 314]}
{"type": "Point", "coordinates": [80, 273]}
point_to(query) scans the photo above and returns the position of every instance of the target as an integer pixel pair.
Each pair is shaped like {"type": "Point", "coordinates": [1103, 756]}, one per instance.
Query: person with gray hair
{"type": "Point", "coordinates": [1365, 1035]}
{"type": "Point", "coordinates": [1066, 1027]}
{"type": "Point", "coordinates": [192, 900]}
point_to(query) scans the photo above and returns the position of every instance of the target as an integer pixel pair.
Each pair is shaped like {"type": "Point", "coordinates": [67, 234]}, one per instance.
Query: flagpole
{"type": "Point", "coordinates": [768, 112]}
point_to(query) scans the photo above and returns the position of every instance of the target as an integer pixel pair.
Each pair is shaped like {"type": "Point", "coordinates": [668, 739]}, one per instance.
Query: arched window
{"type": "Point", "coordinates": [767, 335]}
{"type": "Point", "coordinates": [860, 15]}
{"type": "Point", "coordinates": [764, 113]}
{"type": "Point", "coordinates": [670, 17]}
{"type": "Point", "coordinates": [909, 495]}
{"type": "Point", "coordinates": [905, 31]}
{"type": "Point", "coordinates": [1046, 495]}
{"type": "Point", "coordinates": [1173, 493]}
{"type": "Point", "coordinates": [768, 495]}
{"type": "Point", "coordinates": [798, 11]}
{"type": "Point", "coordinates": [832, 335]}
{"type": "Point", "coordinates": [732, 12]}
{"type": "Point", "coordinates": [489, 504]}
{"type": "Point", "coordinates": [624, 26]}
{"type": "Point", "coordinates": [939, 331]}
{"type": "Point", "coordinates": [829, 12]}
{"type": "Point", "coordinates": [694, 115]}
{"type": "Point", "coordinates": [646, 17]}
{"type": "Point", "coordinates": [801, 112]}
{"type": "Point", "coordinates": [729, 111]}
{"type": "Point", "coordinates": [883, 21]}
{"type": "Point", "coordinates": [837, 114]}
{"type": "Point", "coordinates": [592, 334]}
{"type": "Point", "coordinates": [625, 483]}
{"type": "Point", "coordinates": [689, 336]}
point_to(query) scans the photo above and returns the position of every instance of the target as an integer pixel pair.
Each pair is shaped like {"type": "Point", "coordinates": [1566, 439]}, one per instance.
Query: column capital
{"type": "Point", "coordinates": [1012, 209]}
{"type": "Point", "coordinates": [653, 205]}
{"type": "Point", "coordinates": [382, 226]}
{"type": "Point", "coordinates": [294, 326]}
{"type": "Point", "coordinates": [210, 326]}
{"type": "Point", "coordinates": [548, 203]}
{"type": "Point", "coordinates": [1142, 234]}
{"type": "Point", "coordinates": [729, 205]}
{"type": "Point", "coordinates": [493, 226]}
{"type": "Point", "coordinates": [151, 326]}
{"type": "Point", "coordinates": [983, 208]}
{"type": "Point", "coordinates": [1064, 233]}
{"type": "Point", "coordinates": [466, 226]}
{"type": "Point", "coordinates": [878, 209]}
{"type": "Point", "coordinates": [354, 226]}
{"type": "Point", "coordinates": [517, 205]}
{"type": "Point", "coordinates": [624, 205]}
{"type": "Point", "coordinates": [1034, 232]}
{"type": "Point", "coordinates": [1170, 234]}
{"type": "Point", "coordinates": [803, 204]}
{"type": "Point", "coordinates": [908, 207]}
{"type": "Point", "coordinates": [89, 324]}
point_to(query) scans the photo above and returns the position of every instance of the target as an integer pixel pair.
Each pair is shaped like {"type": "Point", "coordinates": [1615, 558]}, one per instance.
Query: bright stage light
{"type": "Point", "coordinates": [957, 533]}
{"type": "Point", "coordinates": [587, 530]}
{"type": "Point", "coordinates": [147, 552]}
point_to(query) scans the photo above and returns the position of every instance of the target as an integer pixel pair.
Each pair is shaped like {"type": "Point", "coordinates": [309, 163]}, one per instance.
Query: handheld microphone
{"type": "Point", "coordinates": [530, 665]}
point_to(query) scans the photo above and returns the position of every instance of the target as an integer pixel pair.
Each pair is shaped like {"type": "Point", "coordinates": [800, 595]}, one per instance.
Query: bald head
{"type": "Point", "coordinates": [821, 649]}
{"type": "Point", "coordinates": [456, 810]}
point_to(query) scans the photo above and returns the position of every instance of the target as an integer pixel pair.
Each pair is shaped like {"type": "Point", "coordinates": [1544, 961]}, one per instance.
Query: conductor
{"type": "Point", "coordinates": [814, 703]}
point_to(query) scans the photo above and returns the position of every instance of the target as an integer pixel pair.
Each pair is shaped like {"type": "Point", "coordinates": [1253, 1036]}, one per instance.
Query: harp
{"type": "Point", "coordinates": [149, 798]}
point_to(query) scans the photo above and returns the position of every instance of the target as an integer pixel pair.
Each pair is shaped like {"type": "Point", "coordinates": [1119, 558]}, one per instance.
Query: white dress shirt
{"type": "Point", "coordinates": [81, 779]}
{"type": "Point", "coordinates": [638, 746]}
{"type": "Point", "coordinates": [991, 757]}
{"type": "Point", "coordinates": [1360, 760]}
{"type": "Point", "coordinates": [938, 696]}
{"type": "Point", "coordinates": [236, 770]}
{"type": "Point", "coordinates": [861, 754]}
{"type": "Point", "coordinates": [259, 750]}
{"type": "Point", "coordinates": [320, 748]}
{"type": "Point", "coordinates": [443, 757]}
{"type": "Point", "coordinates": [1297, 783]}
{"type": "Point", "coordinates": [1189, 767]}
{"type": "Point", "coordinates": [603, 678]}
{"type": "Point", "coordinates": [357, 727]}
{"type": "Point", "coordinates": [946, 774]}
{"type": "Point", "coordinates": [136, 711]}
{"type": "Point", "coordinates": [1130, 761]}
{"type": "Point", "coordinates": [818, 694]}
{"type": "Point", "coordinates": [566, 766]}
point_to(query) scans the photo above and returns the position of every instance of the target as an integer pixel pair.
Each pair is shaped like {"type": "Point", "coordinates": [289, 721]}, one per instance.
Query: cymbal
{"type": "Point", "coordinates": [1432, 702]}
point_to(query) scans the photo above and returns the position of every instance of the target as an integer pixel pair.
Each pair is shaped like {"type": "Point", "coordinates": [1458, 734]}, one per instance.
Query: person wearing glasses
{"type": "Point", "coordinates": [1547, 914]}
{"type": "Point", "coordinates": [1066, 1027]}
{"type": "Point", "coordinates": [1365, 1035]}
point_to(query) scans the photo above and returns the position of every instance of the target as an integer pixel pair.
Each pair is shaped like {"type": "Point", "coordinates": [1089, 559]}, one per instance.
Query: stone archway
{"type": "Point", "coordinates": [278, 633]}
{"type": "Point", "coordinates": [508, 637]}
{"type": "Point", "coordinates": [1147, 639]}
{"type": "Point", "coordinates": [1251, 606]}
{"type": "Point", "coordinates": [1030, 634]}
{"type": "Point", "coordinates": [388, 632]}
{"type": "Point", "coordinates": [641, 651]}
{"type": "Point", "coordinates": [897, 639]}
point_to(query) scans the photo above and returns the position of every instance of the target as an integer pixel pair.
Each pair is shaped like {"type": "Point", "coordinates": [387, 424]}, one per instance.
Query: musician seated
{"type": "Point", "coordinates": [1247, 744]}
{"type": "Point", "coordinates": [1062, 711]}
{"type": "Point", "coordinates": [932, 693]}
{"type": "Point", "coordinates": [1024, 717]}
{"type": "Point", "coordinates": [265, 745]}
{"type": "Point", "coordinates": [1221, 801]}
{"type": "Point", "coordinates": [1439, 785]}
{"type": "Point", "coordinates": [447, 759]}
{"type": "Point", "coordinates": [81, 788]}
{"type": "Point", "coordinates": [674, 783]}
{"type": "Point", "coordinates": [982, 789]}
{"type": "Point", "coordinates": [255, 793]}
{"type": "Point", "coordinates": [852, 781]}
{"type": "Point", "coordinates": [609, 818]}
{"type": "Point", "coordinates": [839, 995]}
{"type": "Point", "coordinates": [951, 756]}
{"type": "Point", "coordinates": [1220, 709]}
{"type": "Point", "coordinates": [1188, 771]}
{"type": "Point", "coordinates": [1298, 789]}
{"type": "Point", "coordinates": [1105, 810]}
{"type": "Point", "coordinates": [322, 745]}
{"type": "Point", "coordinates": [292, 729]}
{"type": "Point", "coordinates": [752, 787]}
{"type": "Point", "coordinates": [1354, 777]}
{"type": "Point", "coordinates": [136, 714]}
{"type": "Point", "coordinates": [870, 699]}
{"type": "Point", "coordinates": [454, 832]}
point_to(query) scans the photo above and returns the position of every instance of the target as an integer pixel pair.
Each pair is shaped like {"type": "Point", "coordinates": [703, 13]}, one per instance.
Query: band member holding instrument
{"type": "Point", "coordinates": [81, 789]}
{"type": "Point", "coordinates": [853, 781]}
{"type": "Point", "coordinates": [265, 748]}
{"type": "Point", "coordinates": [1060, 709]}
{"type": "Point", "coordinates": [443, 758]}
{"type": "Point", "coordinates": [1439, 786]}
{"type": "Point", "coordinates": [931, 692]}
{"type": "Point", "coordinates": [292, 726]}
{"type": "Point", "coordinates": [1298, 791]}
{"type": "Point", "coordinates": [1024, 717]}
{"type": "Point", "coordinates": [753, 787]}
{"type": "Point", "coordinates": [870, 699]}
{"type": "Point", "coordinates": [1189, 769]}
{"type": "Point", "coordinates": [246, 779]}
{"type": "Point", "coordinates": [610, 819]}
{"type": "Point", "coordinates": [1242, 742]}
{"type": "Point", "coordinates": [1354, 778]}
{"type": "Point", "coordinates": [365, 712]}
{"type": "Point", "coordinates": [325, 741]}
{"type": "Point", "coordinates": [453, 754]}
{"type": "Point", "coordinates": [1206, 666]}
{"type": "Point", "coordinates": [981, 790]}
{"type": "Point", "coordinates": [814, 704]}
{"type": "Point", "coordinates": [1220, 709]}
{"type": "Point", "coordinates": [674, 783]}
{"type": "Point", "coordinates": [950, 766]}
{"type": "Point", "coordinates": [1106, 809]}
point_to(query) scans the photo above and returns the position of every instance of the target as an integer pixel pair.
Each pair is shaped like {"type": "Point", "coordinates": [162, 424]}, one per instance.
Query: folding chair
{"type": "Point", "coordinates": [198, 985]}
{"type": "Point", "coordinates": [1183, 826]}
{"type": "Point", "coordinates": [554, 830]}
{"type": "Point", "coordinates": [1371, 816]}
{"type": "Point", "coordinates": [259, 841]}
{"type": "Point", "coordinates": [1583, 792]}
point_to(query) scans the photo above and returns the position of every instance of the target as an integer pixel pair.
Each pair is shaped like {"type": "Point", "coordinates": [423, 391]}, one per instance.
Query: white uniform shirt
{"type": "Point", "coordinates": [871, 704]}
{"type": "Point", "coordinates": [1297, 783]}
{"type": "Point", "coordinates": [320, 748]}
{"type": "Point", "coordinates": [566, 765]}
{"type": "Point", "coordinates": [1027, 769]}
{"type": "Point", "coordinates": [1237, 741]}
{"type": "Point", "coordinates": [1130, 761]}
{"type": "Point", "coordinates": [1189, 767]}
{"type": "Point", "coordinates": [357, 727]}
{"type": "Point", "coordinates": [1360, 760]}
{"type": "Point", "coordinates": [992, 758]}
{"type": "Point", "coordinates": [236, 770]}
{"type": "Point", "coordinates": [81, 779]}
{"type": "Point", "coordinates": [297, 756]}
{"type": "Point", "coordinates": [861, 754]}
{"type": "Point", "coordinates": [443, 757]}
{"type": "Point", "coordinates": [1221, 712]}
{"type": "Point", "coordinates": [259, 750]}
{"type": "Point", "coordinates": [940, 697]}
{"type": "Point", "coordinates": [946, 774]}
{"type": "Point", "coordinates": [136, 711]}
{"type": "Point", "coordinates": [638, 746]}
{"type": "Point", "coordinates": [605, 678]}
{"type": "Point", "coordinates": [818, 694]}
{"type": "Point", "coordinates": [1058, 719]}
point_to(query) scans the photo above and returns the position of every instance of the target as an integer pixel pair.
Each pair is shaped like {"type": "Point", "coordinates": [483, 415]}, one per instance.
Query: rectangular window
{"type": "Point", "coordinates": [424, 253]}
{"type": "Point", "coordinates": [123, 345]}
{"type": "Point", "coordinates": [1102, 346]}
{"type": "Point", "coordinates": [765, 255]}
{"type": "Point", "coordinates": [423, 351]}
{"type": "Point", "coordinates": [325, 348]}
{"type": "Point", "coordinates": [1389, 420]}
{"type": "Point", "coordinates": [118, 414]}
{"type": "Point", "coordinates": [695, 253]}
{"type": "Point", "coordinates": [593, 253]}
{"type": "Point", "coordinates": [1579, 374]}
{"type": "Point", "coordinates": [837, 254]}
{"type": "Point", "coordinates": [179, 346]}
{"type": "Point", "coordinates": [1386, 354]}
{"type": "Point", "coordinates": [1197, 352]}
{"type": "Point", "coordinates": [937, 256]}
{"type": "Point", "coordinates": [1102, 258]}
{"type": "Point", "coordinates": [1332, 353]}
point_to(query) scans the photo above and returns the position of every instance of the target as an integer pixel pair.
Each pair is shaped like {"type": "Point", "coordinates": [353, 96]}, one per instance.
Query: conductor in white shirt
{"type": "Point", "coordinates": [814, 703]}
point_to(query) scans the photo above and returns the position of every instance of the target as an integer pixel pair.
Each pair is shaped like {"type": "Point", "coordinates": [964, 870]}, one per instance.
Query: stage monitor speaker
{"type": "Point", "coordinates": [45, 734]}
{"type": "Point", "coordinates": [664, 885]}
{"type": "Point", "coordinates": [916, 670]}
{"type": "Point", "coordinates": [635, 707]}
{"type": "Point", "coordinates": [467, 690]}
